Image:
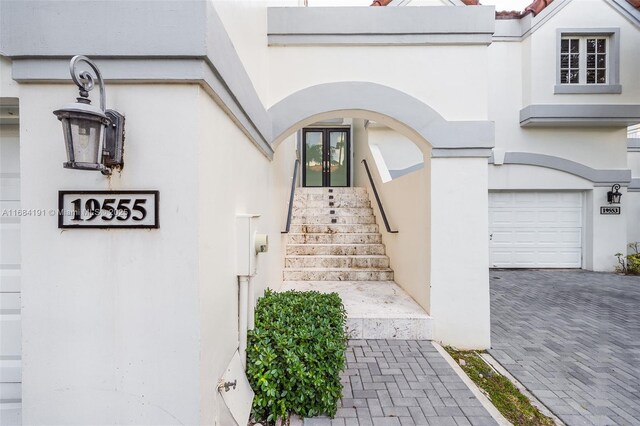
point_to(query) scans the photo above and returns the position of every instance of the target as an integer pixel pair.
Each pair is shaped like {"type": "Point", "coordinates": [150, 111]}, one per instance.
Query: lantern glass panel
{"type": "Point", "coordinates": [86, 137]}
{"type": "Point", "coordinates": [616, 197]}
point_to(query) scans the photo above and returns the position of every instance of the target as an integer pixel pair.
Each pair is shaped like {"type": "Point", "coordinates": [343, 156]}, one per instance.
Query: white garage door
{"type": "Point", "coordinates": [10, 326]}
{"type": "Point", "coordinates": [535, 229]}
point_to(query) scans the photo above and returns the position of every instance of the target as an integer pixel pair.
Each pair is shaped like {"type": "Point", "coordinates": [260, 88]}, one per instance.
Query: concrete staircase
{"type": "Point", "coordinates": [334, 245]}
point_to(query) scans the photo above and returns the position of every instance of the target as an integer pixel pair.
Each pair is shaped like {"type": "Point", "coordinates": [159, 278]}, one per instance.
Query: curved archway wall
{"type": "Point", "coordinates": [440, 211]}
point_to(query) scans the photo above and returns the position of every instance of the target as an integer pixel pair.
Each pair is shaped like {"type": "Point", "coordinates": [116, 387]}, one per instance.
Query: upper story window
{"type": "Point", "coordinates": [588, 61]}
{"type": "Point", "coordinates": [583, 60]}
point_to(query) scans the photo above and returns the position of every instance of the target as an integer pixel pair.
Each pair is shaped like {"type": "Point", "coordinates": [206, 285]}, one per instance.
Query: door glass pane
{"type": "Point", "coordinates": [338, 157]}
{"type": "Point", "coordinates": [313, 158]}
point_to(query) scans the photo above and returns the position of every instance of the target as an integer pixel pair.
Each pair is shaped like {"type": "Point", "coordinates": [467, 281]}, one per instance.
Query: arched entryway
{"type": "Point", "coordinates": [438, 287]}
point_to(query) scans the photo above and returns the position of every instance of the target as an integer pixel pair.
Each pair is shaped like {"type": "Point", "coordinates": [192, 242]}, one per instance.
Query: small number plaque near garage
{"type": "Point", "coordinates": [609, 210]}
{"type": "Point", "coordinates": [108, 209]}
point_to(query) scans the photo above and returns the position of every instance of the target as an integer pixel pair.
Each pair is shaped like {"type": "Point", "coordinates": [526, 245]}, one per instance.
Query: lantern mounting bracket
{"type": "Point", "coordinates": [113, 140]}
{"type": "Point", "coordinates": [613, 196]}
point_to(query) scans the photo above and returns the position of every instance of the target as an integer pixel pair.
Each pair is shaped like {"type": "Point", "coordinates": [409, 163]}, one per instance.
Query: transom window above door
{"type": "Point", "coordinates": [588, 62]}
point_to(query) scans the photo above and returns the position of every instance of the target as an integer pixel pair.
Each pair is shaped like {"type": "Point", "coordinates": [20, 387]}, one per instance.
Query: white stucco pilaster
{"type": "Point", "coordinates": [459, 255]}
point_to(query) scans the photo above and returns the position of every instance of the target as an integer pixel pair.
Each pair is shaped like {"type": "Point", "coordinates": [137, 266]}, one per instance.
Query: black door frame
{"type": "Point", "coordinates": [326, 154]}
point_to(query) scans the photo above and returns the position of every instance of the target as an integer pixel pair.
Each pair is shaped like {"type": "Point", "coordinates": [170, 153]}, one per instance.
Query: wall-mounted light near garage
{"type": "Point", "coordinates": [613, 196]}
{"type": "Point", "coordinates": [93, 136]}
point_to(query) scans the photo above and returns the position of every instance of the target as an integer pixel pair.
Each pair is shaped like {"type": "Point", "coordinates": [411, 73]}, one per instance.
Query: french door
{"type": "Point", "coordinates": [326, 155]}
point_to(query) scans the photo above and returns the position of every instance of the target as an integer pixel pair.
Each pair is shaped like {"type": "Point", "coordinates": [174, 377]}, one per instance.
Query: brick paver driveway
{"type": "Point", "coordinates": [402, 383]}
{"type": "Point", "coordinates": [573, 339]}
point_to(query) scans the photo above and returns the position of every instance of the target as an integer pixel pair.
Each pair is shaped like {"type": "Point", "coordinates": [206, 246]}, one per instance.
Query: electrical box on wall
{"type": "Point", "coordinates": [249, 243]}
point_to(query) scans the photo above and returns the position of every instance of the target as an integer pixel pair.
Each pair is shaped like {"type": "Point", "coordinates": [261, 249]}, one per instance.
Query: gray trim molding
{"type": "Point", "coordinates": [461, 152]}
{"type": "Point", "coordinates": [613, 58]}
{"type": "Point", "coordinates": [387, 105]}
{"type": "Point", "coordinates": [380, 25]}
{"type": "Point", "coordinates": [175, 40]}
{"type": "Point", "coordinates": [581, 89]}
{"type": "Point", "coordinates": [401, 172]}
{"type": "Point", "coordinates": [625, 9]}
{"type": "Point", "coordinates": [579, 115]}
{"type": "Point", "coordinates": [633, 144]}
{"type": "Point", "coordinates": [634, 186]}
{"type": "Point", "coordinates": [599, 177]}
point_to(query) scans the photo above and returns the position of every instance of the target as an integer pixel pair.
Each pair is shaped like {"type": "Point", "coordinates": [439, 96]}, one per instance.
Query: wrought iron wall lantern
{"type": "Point", "coordinates": [613, 196]}
{"type": "Point", "coordinates": [93, 136]}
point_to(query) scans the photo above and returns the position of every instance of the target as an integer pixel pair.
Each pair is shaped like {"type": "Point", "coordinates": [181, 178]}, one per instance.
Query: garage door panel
{"type": "Point", "coordinates": [10, 280]}
{"type": "Point", "coordinates": [10, 339]}
{"type": "Point", "coordinates": [524, 217]}
{"type": "Point", "coordinates": [9, 244]}
{"type": "Point", "coordinates": [11, 414]}
{"type": "Point", "coordinates": [10, 187]}
{"type": "Point", "coordinates": [510, 217]}
{"type": "Point", "coordinates": [10, 304]}
{"type": "Point", "coordinates": [501, 218]}
{"type": "Point", "coordinates": [535, 229]}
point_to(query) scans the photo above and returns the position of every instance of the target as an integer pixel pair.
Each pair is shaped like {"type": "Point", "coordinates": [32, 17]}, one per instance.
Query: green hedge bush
{"type": "Point", "coordinates": [295, 354]}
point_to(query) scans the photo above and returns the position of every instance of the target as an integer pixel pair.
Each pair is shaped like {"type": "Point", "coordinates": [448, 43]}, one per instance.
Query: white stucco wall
{"type": "Point", "coordinates": [632, 205]}
{"type": "Point", "coordinates": [8, 87]}
{"type": "Point", "coordinates": [459, 254]}
{"type": "Point", "coordinates": [406, 201]}
{"type": "Point", "coordinates": [136, 326]}
{"type": "Point", "coordinates": [398, 151]}
{"type": "Point", "coordinates": [417, 70]}
{"type": "Point", "coordinates": [111, 317]}
{"type": "Point", "coordinates": [599, 148]}
{"type": "Point", "coordinates": [246, 24]}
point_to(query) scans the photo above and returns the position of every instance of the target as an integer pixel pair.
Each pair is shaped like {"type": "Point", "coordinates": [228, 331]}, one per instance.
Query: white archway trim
{"type": "Point", "coordinates": [391, 106]}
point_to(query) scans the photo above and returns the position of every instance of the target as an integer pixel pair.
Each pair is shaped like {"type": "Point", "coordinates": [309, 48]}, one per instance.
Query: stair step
{"type": "Point", "coordinates": [336, 274]}
{"type": "Point", "coordinates": [350, 190]}
{"type": "Point", "coordinates": [375, 309]}
{"type": "Point", "coordinates": [329, 219]}
{"type": "Point", "coordinates": [374, 262]}
{"type": "Point", "coordinates": [332, 211]}
{"type": "Point", "coordinates": [342, 238]}
{"type": "Point", "coordinates": [331, 197]}
{"type": "Point", "coordinates": [337, 203]}
{"type": "Point", "coordinates": [314, 228]}
{"type": "Point", "coordinates": [335, 249]}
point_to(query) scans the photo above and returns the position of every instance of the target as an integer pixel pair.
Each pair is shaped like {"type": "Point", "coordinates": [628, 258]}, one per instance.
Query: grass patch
{"type": "Point", "coordinates": [501, 392]}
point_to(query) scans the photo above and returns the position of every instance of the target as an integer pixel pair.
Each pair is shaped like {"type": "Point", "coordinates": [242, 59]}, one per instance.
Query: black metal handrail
{"type": "Point", "coordinates": [375, 192]}
{"type": "Point", "coordinates": [296, 165]}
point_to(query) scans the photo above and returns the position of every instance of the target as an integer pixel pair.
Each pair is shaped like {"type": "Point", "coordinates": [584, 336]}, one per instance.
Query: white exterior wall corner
{"type": "Point", "coordinates": [168, 41]}
{"type": "Point", "coordinates": [141, 328]}
{"type": "Point", "coordinates": [231, 169]}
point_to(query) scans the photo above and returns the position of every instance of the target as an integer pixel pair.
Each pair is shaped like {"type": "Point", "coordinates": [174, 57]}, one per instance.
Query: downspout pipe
{"type": "Point", "coordinates": [243, 304]}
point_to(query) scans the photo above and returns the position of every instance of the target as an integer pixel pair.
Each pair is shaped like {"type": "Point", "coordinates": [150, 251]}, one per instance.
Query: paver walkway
{"type": "Point", "coordinates": [573, 339]}
{"type": "Point", "coordinates": [402, 382]}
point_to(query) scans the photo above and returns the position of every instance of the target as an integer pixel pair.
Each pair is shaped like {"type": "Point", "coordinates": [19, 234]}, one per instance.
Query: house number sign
{"type": "Point", "coordinates": [609, 210]}
{"type": "Point", "coordinates": [108, 209]}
